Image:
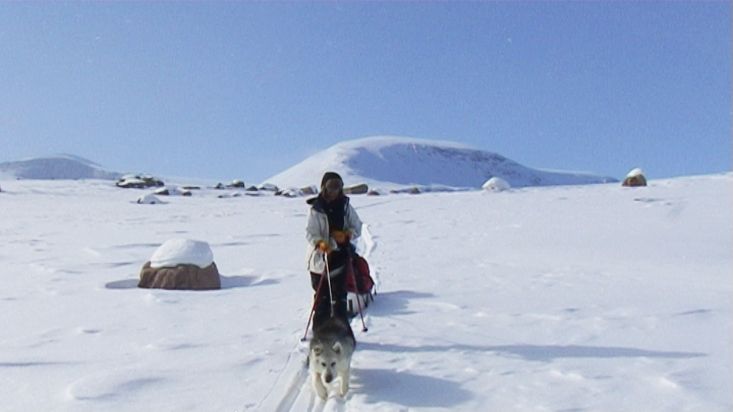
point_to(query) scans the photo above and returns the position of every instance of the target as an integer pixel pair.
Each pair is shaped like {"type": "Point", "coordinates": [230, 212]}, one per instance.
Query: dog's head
{"type": "Point", "coordinates": [327, 360]}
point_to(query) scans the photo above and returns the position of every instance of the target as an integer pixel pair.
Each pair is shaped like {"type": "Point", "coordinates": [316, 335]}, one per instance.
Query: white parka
{"type": "Point", "coordinates": [317, 229]}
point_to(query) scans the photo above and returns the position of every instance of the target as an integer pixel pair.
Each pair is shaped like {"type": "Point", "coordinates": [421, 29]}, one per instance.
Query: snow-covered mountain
{"type": "Point", "coordinates": [388, 162]}
{"type": "Point", "coordinates": [63, 166]}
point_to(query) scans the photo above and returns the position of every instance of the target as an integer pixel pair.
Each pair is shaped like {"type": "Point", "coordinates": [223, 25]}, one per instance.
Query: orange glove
{"type": "Point", "coordinates": [323, 246]}
{"type": "Point", "coordinates": [341, 236]}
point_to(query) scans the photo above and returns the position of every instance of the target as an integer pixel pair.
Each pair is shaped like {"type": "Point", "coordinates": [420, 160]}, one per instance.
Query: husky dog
{"type": "Point", "coordinates": [331, 348]}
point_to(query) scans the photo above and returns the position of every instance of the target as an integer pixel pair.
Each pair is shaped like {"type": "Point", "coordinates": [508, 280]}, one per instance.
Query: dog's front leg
{"type": "Point", "coordinates": [345, 376]}
{"type": "Point", "coordinates": [319, 387]}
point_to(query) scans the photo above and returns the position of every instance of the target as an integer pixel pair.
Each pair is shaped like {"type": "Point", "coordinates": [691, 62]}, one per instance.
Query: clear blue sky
{"type": "Point", "coordinates": [244, 90]}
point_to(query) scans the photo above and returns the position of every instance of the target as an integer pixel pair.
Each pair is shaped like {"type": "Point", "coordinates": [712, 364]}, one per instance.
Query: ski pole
{"type": "Point", "coordinates": [358, 297]}
{"type": "Point", "coordinates": [313, 309]}
{"type": "Point", "coordinates": [328, 277]}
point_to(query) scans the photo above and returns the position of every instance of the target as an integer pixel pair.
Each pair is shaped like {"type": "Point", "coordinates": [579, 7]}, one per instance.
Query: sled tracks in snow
{"type": "Point", "coordinates": [292, 389]}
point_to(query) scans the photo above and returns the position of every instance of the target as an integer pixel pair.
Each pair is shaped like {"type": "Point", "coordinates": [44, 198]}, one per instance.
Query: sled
{"type": "Point", "coordinates": [360, 285]}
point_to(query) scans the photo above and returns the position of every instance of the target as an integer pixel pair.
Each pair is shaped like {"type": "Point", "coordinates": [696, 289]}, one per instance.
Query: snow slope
{"type": "Point", "coordinates": [389, 162]}
{"type": "Point", "coordinates": [568, 298]}
{"type": "Point", "coordinates": [55, 167]}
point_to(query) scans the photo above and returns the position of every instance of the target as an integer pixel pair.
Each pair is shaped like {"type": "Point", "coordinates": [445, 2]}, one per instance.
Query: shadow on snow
{"type": "Point", "coordinates": [396, 302]}
{"type": "Point", "coordinates": [542, 353]}
{"type": "Point", "coordinates": [227, 282]}
{"type": "Point", "coordinates": [409, 390]}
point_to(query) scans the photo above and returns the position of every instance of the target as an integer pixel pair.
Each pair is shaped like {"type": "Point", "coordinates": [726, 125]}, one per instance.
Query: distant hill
{"type": "Point", "coordinates": [390, 162]}
{"type": "Point", "coordinates": [62, 166]}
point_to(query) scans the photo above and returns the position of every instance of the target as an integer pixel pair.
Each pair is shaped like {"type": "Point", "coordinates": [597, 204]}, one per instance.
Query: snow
{"type": "Point", "coordinates": [393, 163]}
{"type": "Point", "coordinates": [496, 184]}
{"type": "Point", "coordinates": [635, 172]}
{"type": "Point", "coordinates": [582, 298]}
{"type": "Point", "coordinates": [149, 199]}
{"type": "Point", "coordinates": [174, 252]}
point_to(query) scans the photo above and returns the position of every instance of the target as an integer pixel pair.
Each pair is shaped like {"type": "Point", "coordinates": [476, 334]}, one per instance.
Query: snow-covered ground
{"type": "Point", "coordinates": [572, 298]}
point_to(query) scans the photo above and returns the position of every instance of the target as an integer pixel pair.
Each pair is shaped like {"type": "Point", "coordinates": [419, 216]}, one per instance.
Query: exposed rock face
{"type": "Point", "coordinates": [184, 277]}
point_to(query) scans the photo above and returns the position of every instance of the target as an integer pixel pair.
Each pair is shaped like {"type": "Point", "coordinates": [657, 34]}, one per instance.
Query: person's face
{"type": "Point", "coordinates": [331, 189]}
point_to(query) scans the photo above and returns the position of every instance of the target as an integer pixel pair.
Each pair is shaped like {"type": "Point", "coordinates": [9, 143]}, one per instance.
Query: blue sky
{"type": "Point", "coordinates": [244, 90]}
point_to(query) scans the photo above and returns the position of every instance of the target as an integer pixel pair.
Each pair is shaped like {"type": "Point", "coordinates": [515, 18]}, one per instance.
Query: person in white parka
{"type": "Point", "coordinates": [332, 225]}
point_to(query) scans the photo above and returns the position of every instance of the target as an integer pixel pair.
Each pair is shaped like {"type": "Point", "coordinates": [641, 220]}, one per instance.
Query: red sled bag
{"type": "Point", "coordinates": [364, 281]}
{"type": "Point", "coordinates": [359, 286]}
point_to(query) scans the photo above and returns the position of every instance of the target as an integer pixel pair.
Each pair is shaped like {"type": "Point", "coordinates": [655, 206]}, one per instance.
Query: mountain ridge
{"type": "Point", "coordinates": [390, 161]}
{"type": "Point", "coordinates": [60, 166]}
{"type": "Point", "coordinates": [382, 162]}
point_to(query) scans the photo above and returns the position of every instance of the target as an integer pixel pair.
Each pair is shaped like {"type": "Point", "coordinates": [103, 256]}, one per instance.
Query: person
{"type": "Point", "coordinates": [332, 225]}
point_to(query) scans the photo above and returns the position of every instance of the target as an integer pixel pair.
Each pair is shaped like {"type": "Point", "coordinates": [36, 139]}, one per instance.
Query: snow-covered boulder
{"type": "Point", "coordinates": [309, 190]}
{"type": "Point", "coordinates": [229, 194]}
{"type": "Point", "coordinates": [289, 193]}
{"type": "Point", "coordinates": [171, 191]}
{"type": "Point", "coordinates": [138, 182]}
{"type": "Point", "coordinates": [182, 251]}
{"type": "Point", "coordinates": [376, 192]}
{"type": "Point", "coordinates": [181, 264]}
{"type": "Point", "coordinates": [359, 189]}
{"type": "Point", "coordinates": [635, 178]}
{"type": "Point", "coordinates": [236, 184]}
{"type": "Point", "coordinates": [268, 187]}
{"type": "Point", "coordinates": [496, 184]}
{"type": "Point", "coordinates": [149, 199]}
{"type": "Point", "coordinates": [413, 190]}
{"type": "Point", "coordinates": [295, 192]}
